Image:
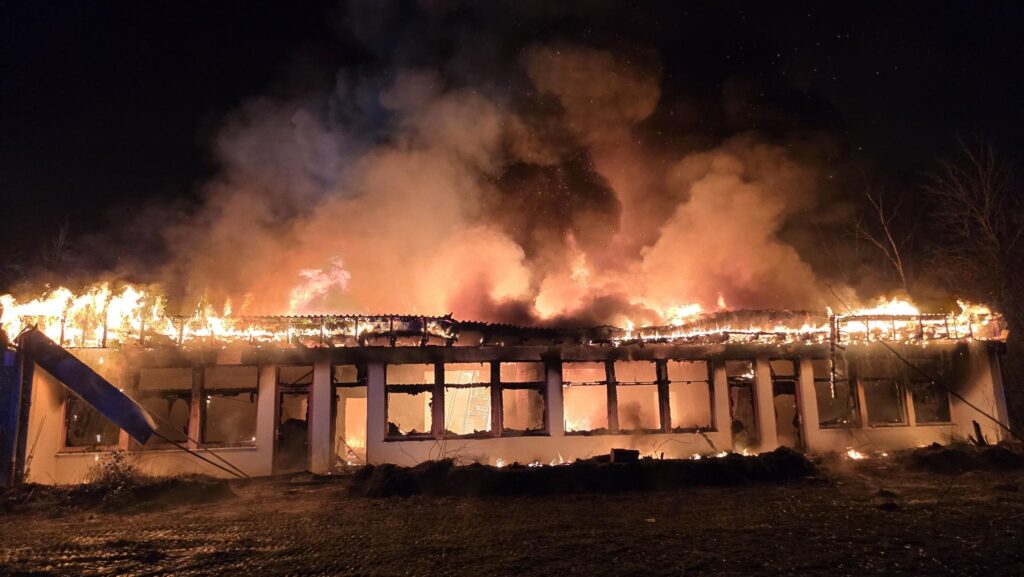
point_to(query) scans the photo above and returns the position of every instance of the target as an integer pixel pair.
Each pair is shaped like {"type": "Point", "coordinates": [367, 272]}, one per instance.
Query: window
{"type": "Point", "coordinates": [229, 405]}
{"type": "Point", "coordinates": [837, 404]}
{"type": "Point", "coordinates": [637, 397]}
{"type": "Point", "coordinates": [930, 398]}
{"type": "Point", "coordinates": [585, 397]}
{"type": "Point", "coordinates": [87, 428]}
{"type": "Point", "coordinates": [523, 387]}
{"type": "Point", "coordinates": [350, 414]}
{"type": "Point", "coordinates": [410, 400]}
{"type": "Point", "coordinates": [167, 394]}
{"type": "Point", "coordinates": [689, 395]}
{"type": "Point", "coordinates": [467, 399]}
{"type": "Point", "coordinates": [884, 391]}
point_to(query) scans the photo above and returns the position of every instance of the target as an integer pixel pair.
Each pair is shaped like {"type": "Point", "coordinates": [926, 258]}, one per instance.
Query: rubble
{"type": "Point", "coordinates": [444, 478]}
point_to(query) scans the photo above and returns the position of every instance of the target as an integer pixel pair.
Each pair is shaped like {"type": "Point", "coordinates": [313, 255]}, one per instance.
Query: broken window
{"type": "Point", "coordinates": [350, 414]}
{"type": "Point", "coordinates": [522, 397]}
{"type": "Point", "coordinates": [784, 373]}
{"type": "Point", "coordinates": [467, 399]}
{"type": "Point", "coordinates": [229, 405]}
{"type": "Point", "coordinates": [87, 428]}
{"type": "Point", "coordinates": [689, 395]}
{"type": "Point", "coordinates": [884, 391]}
{"type": "Point", "coordinates": [410, 400]}
{"type": "Point", "coordinates": [167, 394]}
{"type": "Point", "coordinates": [585, 397]}
{"type": "Point", "coordinates": [636, 387]}
{"type": "Point", "coordinates": [740, 376]}
{"type": "Point", "coordinates": [930, 398]}
{"type": "Point", "coordinates": [838, 409]}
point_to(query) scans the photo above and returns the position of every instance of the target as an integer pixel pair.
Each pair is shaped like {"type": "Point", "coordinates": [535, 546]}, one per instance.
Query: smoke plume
{"type": "Point", "coordinates": [557, 196]}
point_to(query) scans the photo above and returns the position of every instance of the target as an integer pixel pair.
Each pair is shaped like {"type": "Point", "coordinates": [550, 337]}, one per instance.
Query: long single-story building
{"type": "Point", "coordinates": [286, 394]}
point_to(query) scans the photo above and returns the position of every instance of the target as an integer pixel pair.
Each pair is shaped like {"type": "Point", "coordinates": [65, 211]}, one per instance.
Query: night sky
{"type": "Point", "coordinates": [109, 106]}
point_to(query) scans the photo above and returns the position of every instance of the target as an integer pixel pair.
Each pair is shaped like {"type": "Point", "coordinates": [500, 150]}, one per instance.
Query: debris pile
{"type": "Point", "coordinates": [443, 478]}
{"type": "Point", "coordinates": [958, 459]}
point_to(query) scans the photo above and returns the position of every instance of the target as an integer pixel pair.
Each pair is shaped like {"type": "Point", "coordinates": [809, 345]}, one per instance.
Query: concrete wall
{"type": "Point", "coordinates": [50, 463]}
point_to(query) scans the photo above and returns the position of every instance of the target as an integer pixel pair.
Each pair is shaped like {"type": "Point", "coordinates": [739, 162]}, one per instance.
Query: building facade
{"type": "Point", "coordinates": [498, 395]}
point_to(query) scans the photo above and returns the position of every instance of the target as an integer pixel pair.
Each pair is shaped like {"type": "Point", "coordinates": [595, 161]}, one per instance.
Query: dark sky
{"type": "Point", "coordinates": [107, 105]}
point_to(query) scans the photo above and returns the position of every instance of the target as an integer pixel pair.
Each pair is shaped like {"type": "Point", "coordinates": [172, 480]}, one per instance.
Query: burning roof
{"type": "Point", "coordinates": [133, 317]}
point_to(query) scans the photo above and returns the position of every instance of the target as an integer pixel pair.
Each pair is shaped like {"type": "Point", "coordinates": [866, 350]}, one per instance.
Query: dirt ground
{"type": "Point", "coordinates": [864, 518]}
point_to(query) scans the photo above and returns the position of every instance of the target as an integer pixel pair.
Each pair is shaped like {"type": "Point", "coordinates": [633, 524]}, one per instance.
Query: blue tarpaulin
{"type": "Point", "coordinates": [86, 383]}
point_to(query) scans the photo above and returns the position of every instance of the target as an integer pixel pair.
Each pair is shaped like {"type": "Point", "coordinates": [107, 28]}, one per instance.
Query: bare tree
{"type": "Point", "coordinates": [879, 228]}
{"type": "Point", "coordinates": [978, 219]}
{"type": "Point", "coordinates": [56, 253]}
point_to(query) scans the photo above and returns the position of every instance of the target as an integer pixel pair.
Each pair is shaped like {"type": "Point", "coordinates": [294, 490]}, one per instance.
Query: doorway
{"type": "Point", "coordinates": [292, 435]}
{"type": "Point", "coordinates": [743, 417]}
{"type": "Point", "coordinates": [787, 413]}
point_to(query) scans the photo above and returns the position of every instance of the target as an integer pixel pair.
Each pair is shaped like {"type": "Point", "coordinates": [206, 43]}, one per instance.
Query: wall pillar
{"type": "Point", "coordinates": [720, 401]}
{"type": "Point", "coordinates": [266, 418]}
{"type": "Point", "coordinates": [376, 413]}
{"type": "Point", "coordinates": [807, 404]}
{"type": "Point", "coordinates": [764, 405]}
{"type": "Point", "coordinates": [554, 415]}
{"type": "Point", "coordinates": [321, 396]}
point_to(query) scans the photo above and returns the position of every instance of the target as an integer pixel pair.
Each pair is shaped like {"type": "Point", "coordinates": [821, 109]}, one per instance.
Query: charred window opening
{"type": "Point", "coordinates": [839, 409]}
{"type": "Point", "coordinates": [785, 373]}
{"type": "Point", "coordinates": [930, 398]}
{"type": "Point", "coordinates": [293, 384]}
{"type": "Point", "coordinates": [637, 396]}
{"type": "Point", "coordinates": [167, 394]}
{"type": "Point", "coordinates": [523, 387]}
{"type": "Point", "coordinates": [87, 428]}
{"type": "Point", "coordinates": [229, 405]}
{"type": "Point", "coordinates": [585, 397]}
{"type": "Point", "coordinates": [884, 391]}
{"type": "Point", "coordinates": [467, 400]}
{"type": "Point", "coordinates": [740, 376]}
{"type": "Point", "coordinates": [689, 395]}
{"type": "Point", "coordinates": [350, 413]}
{"type": "Point", "coordinates": [410, 400]}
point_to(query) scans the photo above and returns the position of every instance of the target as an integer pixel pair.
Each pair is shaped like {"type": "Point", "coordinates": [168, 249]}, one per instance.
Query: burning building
{"type": "Point", "coordinates": [266, 395]}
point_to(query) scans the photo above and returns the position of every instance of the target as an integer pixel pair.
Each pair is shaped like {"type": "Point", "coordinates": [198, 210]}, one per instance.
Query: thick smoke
{"type": "Point", "coordinates": [553, 198]}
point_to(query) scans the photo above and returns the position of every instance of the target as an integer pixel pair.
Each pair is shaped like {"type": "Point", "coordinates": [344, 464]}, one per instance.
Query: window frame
{"type": "Point", "coordinates": [415, 389]}
{"type": "Point", "coordinates": [709, 366]}
{"type": "Point", "coordinates": [611, 403]}
{"type": "Point", "coordinates": [906, 379]}
{"type": "Point", "coordinates": [66, 414]}
{"type": "Point", "coordinates": [498, 401]}
{"type": "Point", "coordinates": [855, 394]}
{"type": "Point", "coordinates": [205, 393]}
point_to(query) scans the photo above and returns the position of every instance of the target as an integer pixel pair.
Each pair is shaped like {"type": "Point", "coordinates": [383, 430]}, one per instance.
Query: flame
{"type": "Point", "coordinates": [894, 306]}
{"type": "Point", "coordinates": [855, 455]}
{"type": "Point", "coordinates": [105, 315]}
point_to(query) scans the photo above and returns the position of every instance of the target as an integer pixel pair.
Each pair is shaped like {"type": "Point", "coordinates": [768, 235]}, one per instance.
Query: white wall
{"type": "Point", "coordinates": [50, 464]}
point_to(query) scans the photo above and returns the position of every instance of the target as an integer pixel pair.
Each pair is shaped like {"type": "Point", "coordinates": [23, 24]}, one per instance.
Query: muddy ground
{"type": "Point", "coordinates": [866, 518]}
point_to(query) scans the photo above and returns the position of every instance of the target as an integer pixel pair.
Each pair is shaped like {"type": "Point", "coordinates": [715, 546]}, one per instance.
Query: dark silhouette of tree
{"type": "Point", "coordinates": [879, 226]}
{"type": "Point", "coordinates": [979, 220]}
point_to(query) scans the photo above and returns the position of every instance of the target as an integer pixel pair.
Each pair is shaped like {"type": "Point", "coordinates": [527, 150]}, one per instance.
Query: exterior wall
{"type": "Point", "coordinates": [979, 383]}
{"type": "Point", "coordinates": [50, 463]}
